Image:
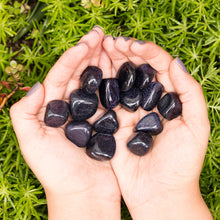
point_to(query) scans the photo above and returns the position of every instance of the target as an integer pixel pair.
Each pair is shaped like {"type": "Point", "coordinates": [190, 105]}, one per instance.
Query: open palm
{"type": "Point", "coordinates": [175, 161]}
{"type": "Point", "coordinates": [61, 167]}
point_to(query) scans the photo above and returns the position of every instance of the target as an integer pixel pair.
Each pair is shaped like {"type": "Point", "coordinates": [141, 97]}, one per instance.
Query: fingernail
{"type": "Point", "coordinates": [107, 36]}
{"type": "Point", "coordinates": [125, 38]}
{"type": "Point", "coordinates": [78, 44]}
{"type": "Point", "coordinates": [140, 41]}
{"type": "Point", "coordinates": [181, 64]}
{"type": "Point", "coordinates": [33, 89]}
{"type": "Point", "coordinates": [97, 26]}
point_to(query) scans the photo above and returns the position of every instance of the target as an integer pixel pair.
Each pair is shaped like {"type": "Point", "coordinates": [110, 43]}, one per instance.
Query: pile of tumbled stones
{"type": "Point", "coordinates": [133, 87]}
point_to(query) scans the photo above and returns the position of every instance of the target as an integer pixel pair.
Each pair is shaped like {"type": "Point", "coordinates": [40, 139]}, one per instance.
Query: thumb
{"type": "Point", "coordinates": [24, 114]}
{"type": "Point", "coordinates": [194, 109]}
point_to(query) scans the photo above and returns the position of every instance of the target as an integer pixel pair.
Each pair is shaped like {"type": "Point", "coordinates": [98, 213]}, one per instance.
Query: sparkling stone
{"type": "Point", "coordinates": [150, 124]}
{"type": "Point", "coordinates": [101, 146]}
{"type": "Point", "coordinates": [170, 106]}
{"type": "Point", "coordinates": [82, 105]}
{"type": "Point", "coordinates": [144, 75]}
{"type": "Point", "coordinates": [91, 79]}
{"type": "Point", "coordinates": [130, 100]}
{"type": "Point", "coordinates": [126, 76]}
{"type": "Point", "coordinates": [140, 144]}
{"type": "Point", "coordinates": [57, 113]}
{"type": "Point", "coordinates": [78, 132]}
{"type": "Point", "coordinates": [109, 93]}
{"type": "Point", "coordinates": [151, 95]}
{"type": "Point", "coordinates": [108, 123]}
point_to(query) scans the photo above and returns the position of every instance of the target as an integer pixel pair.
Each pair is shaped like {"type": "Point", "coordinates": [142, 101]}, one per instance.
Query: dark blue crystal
{"type": "Point", "coordinates": [170, 106]}
{"type": "Point", "coordinates": [101, 146]}
{"type": "Point", "coordinates": [108, 123]}
{"type": "Point", "coordinates": [82, 105]}
{"type": "Point", "coordinates": [144, 75]}
{"type": "Point", "coordinates": [91, 79]}
{"type": "Point", "coordinates": [57, 113]}
{"type": "Point", "coordinates": [140, 144]}
{"type": "Point", "coordinates": [150, 123]}
{"type": "Point", "coordinates": [109, 93]}
{"type": "Point", "coordinates": [78, 132]}
{"type": "Point", "coordinates": [126, 76]}
{"type": "Point", "coordinates": [151, 95]}
{"type": "Point", "coordinates": [130, 100]}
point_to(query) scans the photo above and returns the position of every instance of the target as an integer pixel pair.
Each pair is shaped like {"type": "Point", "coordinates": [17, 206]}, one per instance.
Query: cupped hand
{"type": "Point", "coordinates": [169, 173]}
{"type": "Point", "coordinates": [65, 170]}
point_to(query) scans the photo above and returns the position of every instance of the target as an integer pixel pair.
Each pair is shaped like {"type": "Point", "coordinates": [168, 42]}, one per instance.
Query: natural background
{"type": "Point", "coordinates": [189, 29]}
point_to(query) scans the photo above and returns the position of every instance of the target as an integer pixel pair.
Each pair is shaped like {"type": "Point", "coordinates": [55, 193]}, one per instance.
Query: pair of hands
{"type": "Point", "coordinates": [77, 186]}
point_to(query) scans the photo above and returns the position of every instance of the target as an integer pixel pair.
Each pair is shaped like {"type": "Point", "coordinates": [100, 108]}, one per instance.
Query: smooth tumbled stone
{"type": "Point", "coordinates": [126, 76]}
{"type": "Point", "coordinates": [101, 146]}
{"type": "Point", "coordinates": [150, 123]}
{"type": "Point", "coordinates": [57, 113]}
{"type": "Point", "coordinates": [82, 105]}
{"type": "Point", "coordinates": [140, 144]}
{"type": "Point", "coordinates": [109, 93]}
{"type": "Point", "coordinates": [144, 75]}
{"type": "Point", "coordinates": [130, 100]}
{"type": "Point", "coordinates": [78, 132]}
{"type": "Point", "coordinates": [170, 106]}
{"type": "Point", "coordinates": [91, 79]}
{"type": "Point", "coordinates": [108, 123]}
{"type": "Point", "coordinates": [151, 95]}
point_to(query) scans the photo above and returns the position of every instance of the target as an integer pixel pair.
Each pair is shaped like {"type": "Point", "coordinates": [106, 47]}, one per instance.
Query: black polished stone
{"type": "Point", "coordinates": [130, 100]}
{"type": "Point", "coordinates": [57, 113]}
{"type": "Point", "coordinates": [170, 106]}
{"type": "Point", "coordinates": [108, 123]}
{"type": "Point", "coordinates": [109, 93]}
{"type": "Point", "coordinates": [126, 76]}
{"type": "Point", "coordinates": [82, 105]}
{"type": "Point", "coordinates": [78, 132]}
{"type": "Point", "coordinates": [144, 75]}
{"type": "Point", "coordinates": [91, 79]}
{"type": "Point", "coordinates": [140, 144]}
{"type": "Point", "coordinates": [101, 146]}
{"type": "Point", "coordinates": [150, 123]}
{"type": "Point", "coordinates": [151, 95]}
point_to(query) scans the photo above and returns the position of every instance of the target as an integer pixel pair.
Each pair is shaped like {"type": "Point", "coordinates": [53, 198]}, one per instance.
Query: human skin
{"type": "Point", "coordinates": [78, 187]}
{"type": "Point", "coordinates": [164, 184]}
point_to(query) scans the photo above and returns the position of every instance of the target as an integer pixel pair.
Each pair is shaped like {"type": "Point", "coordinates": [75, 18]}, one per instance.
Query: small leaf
{"type": "Point", "coordinates": [13, 64]}
{"type": "Point", "coordinates": [2, 95]}
{"type": "Point", "coordinates": [6, 84]}
{"type": "Point", "coordinates": [8, 70]}
{"type": "Point", "coordinates": [17, 76]}
{"type": "Point", "coordinates": [25, 88]}
{"type": "Point", "coordinates": [11, 79]}
{"type": "Point", "coordinates": [20, 68]}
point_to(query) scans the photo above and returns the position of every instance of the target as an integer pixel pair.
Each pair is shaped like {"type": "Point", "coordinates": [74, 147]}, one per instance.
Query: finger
{"type": "Point", "coordinates": [194, 110]}
{"type": "Point", "coordinates": [158, 58]}
{"type": "Point", "coordinates": [60, 74]}
{"type": "Point", "coordinates": [94, 41]}
{"type": "Point", "coordinates": [116, 56]}
{"type": "Point", "coordinates": [24, 115]}
{"type": "Point", "coordinates": [106, 65]}
{"type": "Point", "coordinates": [123, 44]}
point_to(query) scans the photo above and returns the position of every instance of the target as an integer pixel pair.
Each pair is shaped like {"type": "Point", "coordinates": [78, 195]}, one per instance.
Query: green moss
{"type": "Point", "coordinates": [187, 29]}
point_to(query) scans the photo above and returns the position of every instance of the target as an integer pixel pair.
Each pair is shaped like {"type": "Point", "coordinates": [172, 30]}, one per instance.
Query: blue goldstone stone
{"type": "Point", "coordinates": [101, 146]}
{"type": "Point", "coordinates": [108, 123]}
{"type": "Point", "coordinates": [150, 123]}
{"type": "Point", "coordinates": [109, 93]}
{"type": "Point", "coordinates": [82, 105]}
{"type": "Point", "coordinates": [170, 106]}
{"type": "Point", "coordinates": [57, 113]}
{"type": "Point", "coordinates": [151, 95]}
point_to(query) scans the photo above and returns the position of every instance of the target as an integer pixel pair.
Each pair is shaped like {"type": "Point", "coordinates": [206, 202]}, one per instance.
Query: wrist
{"type": "Point", "coordinates": [171, 205]}
{"type": "Point", "coordinates": [81, 206]}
